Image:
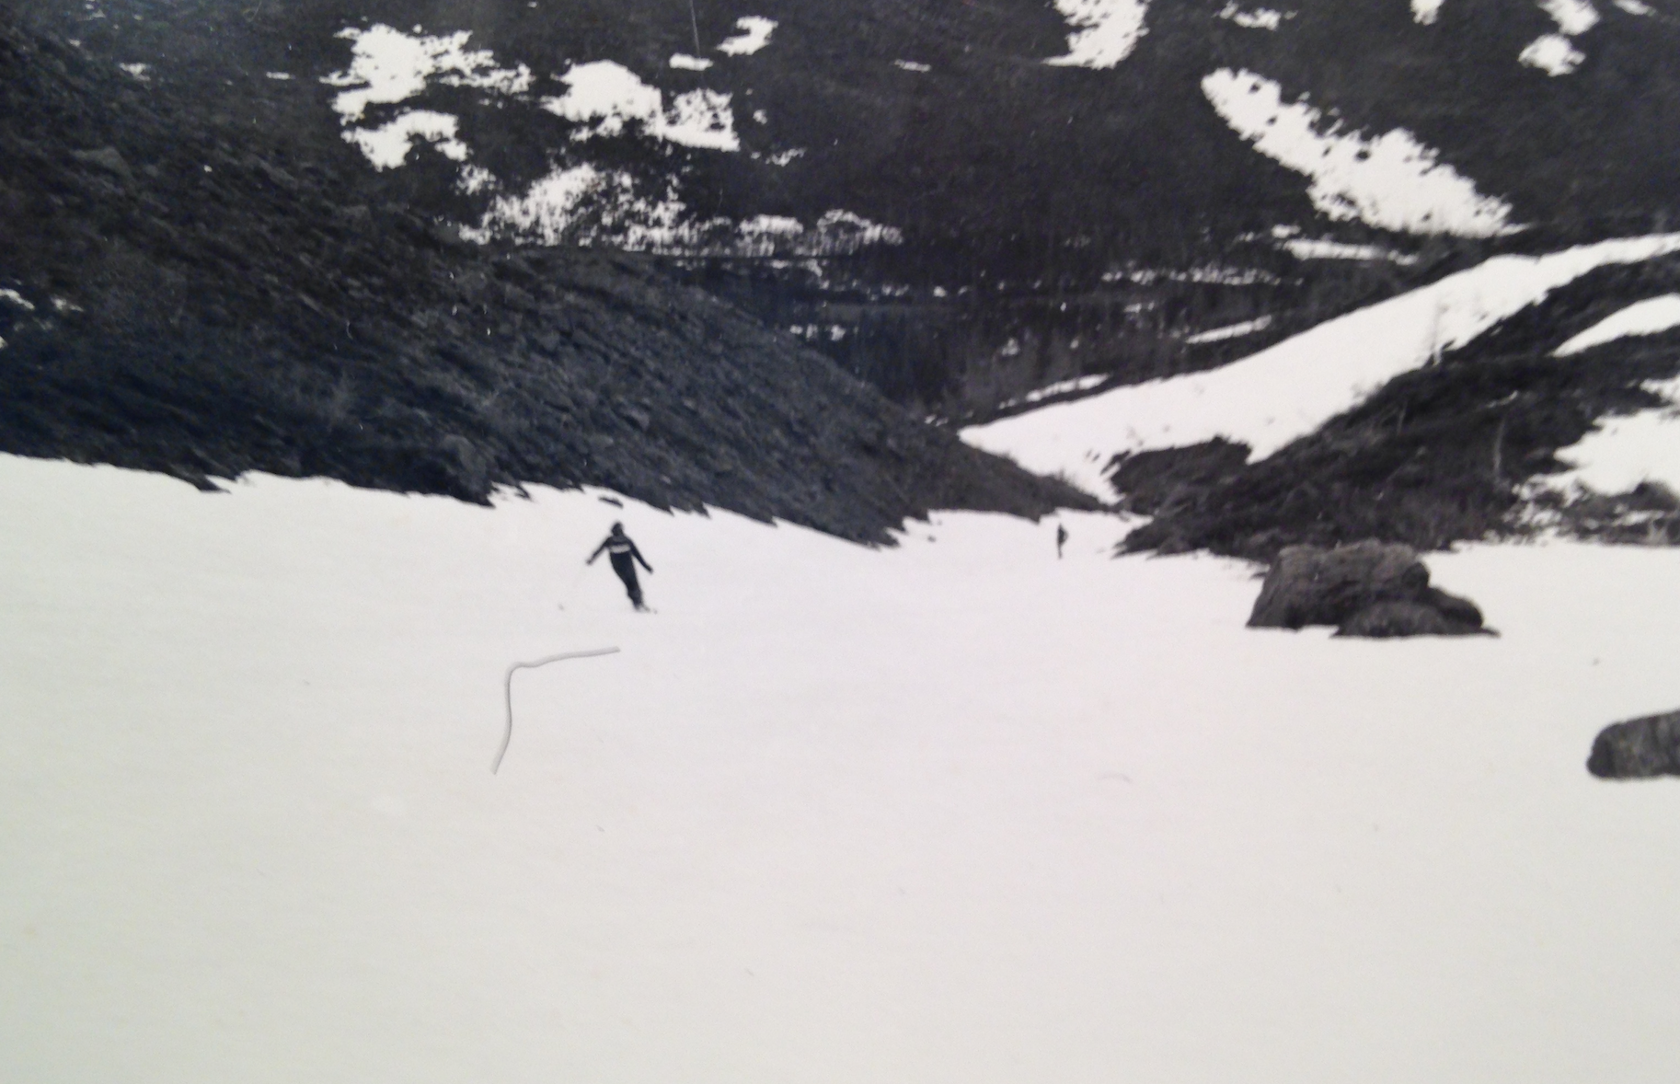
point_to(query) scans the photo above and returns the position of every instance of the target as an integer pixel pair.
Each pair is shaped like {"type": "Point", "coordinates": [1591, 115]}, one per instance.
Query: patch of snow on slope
{"type": "Point", "coordinates": [1649, 317]}
{"type": "Point", "coordinates": [763, 235]}
{"type": "Point", "coordinates": [17, 299]}
{"type": "Point", "coordinates": [1207, 274]}
{"type": "Point", "coordinates": [548, 211]}
{"type": "Point", "coordinates": [846, 231]}
{"type": "Point", "coordinates": [701, 118]}
{"type": "Point", "coordinates": [1553, 54]}
{"type": "Point", "coordinates": [584, 205]}
{"type": "Point", "coordinates": [1426, 11]}
{"type": "Point", "coordinates": [835, 814]}
{"type": "Point", "coordinates": [1391, 181]}
{"type": "Point", "coordinates": [1306, 248]}
{"type": "Point", "coordinates": [689, 63]}
{"type": "Point", "coordinates": [1061, 387]}
{"type": "Point", "coordinates": [388, 66]}
{"type": "Point", "coordinates": [1634, 7]}
{"type": "Point", "coordinates": [1258, 19]}
{"type": "Point", "coordinates": [1572, 16]}
{"type": "Point", "coordinates": [1107, 31]}
{"type": "Point", "coordinates": [1621, 452]}
{"type": "Point", "coordinates": [388, 145]}
{"type": "Point", "coordinates": [609, 97]}
{"type": "Point", "coordinates": [755, 35]}
{"type": "Point", "coordinates": [1231, 331]}
{"type": "Point", "coordinates": [1291, 388]}
{"type": "Point", "coordinates": [912, 66]}
{"type": "Point", "coordinates": [476, 179]}
{"type": "Point", "coordinates": [772, 226]}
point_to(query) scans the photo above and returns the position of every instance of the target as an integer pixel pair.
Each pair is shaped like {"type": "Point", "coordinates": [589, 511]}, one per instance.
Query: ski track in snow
{"type": "Point", "coordinates": [1291, 388]}
{"type": "Point", "coordinates": [1107, 31]}
{"type": "Point", "coordinates": [1391, 181]}
{"type": "Point", "coordinates": [951, 812]}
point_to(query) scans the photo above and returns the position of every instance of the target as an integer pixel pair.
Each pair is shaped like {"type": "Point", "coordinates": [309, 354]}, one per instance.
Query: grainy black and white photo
{"type": "Point", "coordinates": [1142, 541]}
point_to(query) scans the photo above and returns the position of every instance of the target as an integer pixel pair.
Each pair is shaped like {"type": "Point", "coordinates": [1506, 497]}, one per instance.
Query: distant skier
{"type": "Point", "coordinates": [1061, 540]}
{"type": "Point", "coordinates": [623, 554]}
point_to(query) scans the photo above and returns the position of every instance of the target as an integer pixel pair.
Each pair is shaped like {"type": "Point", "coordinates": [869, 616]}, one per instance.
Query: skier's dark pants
{"type": "Point", "coordinates": [625, 566]}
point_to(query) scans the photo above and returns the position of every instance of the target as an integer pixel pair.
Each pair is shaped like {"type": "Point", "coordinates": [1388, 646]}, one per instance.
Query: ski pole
{"type": "Point", "coordinates": [507, 688]}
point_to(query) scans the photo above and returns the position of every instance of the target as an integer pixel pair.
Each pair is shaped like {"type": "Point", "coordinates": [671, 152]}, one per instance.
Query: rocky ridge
{"type": "Point", "coordinates": [190, 283]}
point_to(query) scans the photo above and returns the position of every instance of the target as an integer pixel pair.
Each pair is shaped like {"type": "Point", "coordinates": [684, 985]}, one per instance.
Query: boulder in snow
{"type": "Point", "coordinates": [1370, 588]}
{"type": "Point", "coordinates": [1385, 620]}
{"type": "Point", "coordinates": [1308, 585]}
{"type": "Point", "coordinates": [1637, 749]}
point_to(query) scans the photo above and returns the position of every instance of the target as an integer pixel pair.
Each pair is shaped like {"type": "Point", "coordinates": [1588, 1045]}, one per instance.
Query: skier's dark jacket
{"type": "Point", "coordinates": [620, 550]}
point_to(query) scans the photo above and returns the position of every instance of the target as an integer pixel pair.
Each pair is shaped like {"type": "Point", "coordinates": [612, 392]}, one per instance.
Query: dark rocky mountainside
{"type": "Point", "coordinates": [1048, 220]}
{"type": "Point", "coordinates": [195, 280]}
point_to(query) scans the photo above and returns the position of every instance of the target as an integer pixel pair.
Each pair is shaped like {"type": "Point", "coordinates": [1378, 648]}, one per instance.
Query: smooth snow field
{"type": "Point", "coordinates": [950, 813]}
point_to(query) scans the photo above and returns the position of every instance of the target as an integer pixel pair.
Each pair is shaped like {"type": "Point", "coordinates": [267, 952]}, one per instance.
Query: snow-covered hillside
{"type": "Point", "coordinates": [954, 811]}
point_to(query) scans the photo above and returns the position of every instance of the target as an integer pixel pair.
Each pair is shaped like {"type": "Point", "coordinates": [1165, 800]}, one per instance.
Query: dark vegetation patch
{"type": "Point", "coordinates": [211, 287]}
{"type": "Point", "coordinates": [1437, 455]}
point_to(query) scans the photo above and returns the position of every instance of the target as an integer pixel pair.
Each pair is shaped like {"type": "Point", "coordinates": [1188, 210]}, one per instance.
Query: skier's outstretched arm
{"type": "Point", "coordinates": [597, 552]}
{"type": "Point", "coordinates": [637, 554]}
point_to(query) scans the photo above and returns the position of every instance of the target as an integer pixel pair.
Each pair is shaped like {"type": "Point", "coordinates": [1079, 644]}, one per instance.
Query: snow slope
{"type": "Point", "coordinates": [1653, 316]}
{"type": "Point", "coordinates": [951, 812]}
{"type": "Point", "coordinates": [1391, 181]}
{"type": "Point", "coordinates": [1107, 31]}
{"type": "Point", "coordinates": [1291, 388]}
{"type": "Point", "coordinates": [1625, 450]}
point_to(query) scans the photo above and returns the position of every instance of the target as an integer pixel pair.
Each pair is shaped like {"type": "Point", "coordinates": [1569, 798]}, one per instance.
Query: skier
{"type": "Point", "coordinates": [623, 554]}
{"type": "Point", "coordinates": [1061, 540]}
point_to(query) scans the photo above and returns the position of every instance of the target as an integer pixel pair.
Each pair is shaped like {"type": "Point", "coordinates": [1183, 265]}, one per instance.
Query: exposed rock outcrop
{"type": "Point", "coordinates": [1638, 748]}
{"type": "Point", "coordinates": [1371, 588]}
{"type": "Point", "coordinates": [1308, 585]}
